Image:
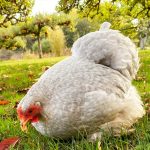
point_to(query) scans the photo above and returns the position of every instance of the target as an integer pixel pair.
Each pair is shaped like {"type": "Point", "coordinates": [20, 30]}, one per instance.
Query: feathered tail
{"type": "Point", "coordinates": [108, 47]}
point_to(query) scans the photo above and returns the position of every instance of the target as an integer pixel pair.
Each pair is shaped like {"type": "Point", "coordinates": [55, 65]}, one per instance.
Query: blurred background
{"type": "Point", "coordinates": [45, 28]}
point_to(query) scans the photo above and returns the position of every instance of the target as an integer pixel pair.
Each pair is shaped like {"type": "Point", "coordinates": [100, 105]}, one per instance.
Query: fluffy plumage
{"type": "Point", "coordinates": [89, 90]}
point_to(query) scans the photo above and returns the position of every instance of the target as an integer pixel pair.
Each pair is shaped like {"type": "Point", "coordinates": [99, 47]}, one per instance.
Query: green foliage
{"type": "Point", "coordinates": [83, 27]}
{"type": "Point", "coordinates": [144, 27]}
{"type": "Point", "coordinates": [7, 40]}
{"type": "Point", "coordinates": [30, 40]}
{"type": "Point", "coordinates": [35, 46]}
{"type": "Point", "coordinates": [34, 26]}
{"type": "Point", "coordinates": [70, 36]}
{"type": "Point", "coordinates": [46, 46]}
{"type": "Point", "coordinates": [67, 5]}
{"type": "Point", "coordinates": [73, 16]}
{"type": "Point", "coordinates": [136, 8]}
{"type": "Point", "coordinates": [78, 27]}
{"type": "Point", "coordinates": [120, 14]}
{"type": "Point", "coordinates": [14, 11]}
{"type": "Point", "coordinates": [93, 8]}
{"type": "Point", "coordinates": [57, 39]}
{"type": "Point", "coordinates": [20, 42]}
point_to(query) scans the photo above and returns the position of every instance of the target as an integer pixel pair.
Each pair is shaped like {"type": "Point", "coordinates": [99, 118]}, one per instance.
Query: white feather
{"type": "Point", "coordinates": [91, 89]}
{"type": "Point", "coordinates": [105, 26]}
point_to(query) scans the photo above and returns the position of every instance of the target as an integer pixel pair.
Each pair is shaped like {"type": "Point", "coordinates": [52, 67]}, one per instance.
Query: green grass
{"type": "Point", "coordinates": [18, 75]}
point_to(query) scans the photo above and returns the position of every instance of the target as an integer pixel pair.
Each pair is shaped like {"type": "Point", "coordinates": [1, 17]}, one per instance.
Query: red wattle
{"type": "Point", "coordinates": [35, 119]}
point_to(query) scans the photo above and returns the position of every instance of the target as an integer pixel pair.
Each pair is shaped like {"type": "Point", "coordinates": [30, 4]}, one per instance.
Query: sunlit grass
{"type": "Point", "coordinates": [16, 76]}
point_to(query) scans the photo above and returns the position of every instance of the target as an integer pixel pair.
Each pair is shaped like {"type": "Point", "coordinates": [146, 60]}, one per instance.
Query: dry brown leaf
{"type": "Point", "coordinates": [6, 143]}
{"type": "Point", "coordinates": [4, 102]}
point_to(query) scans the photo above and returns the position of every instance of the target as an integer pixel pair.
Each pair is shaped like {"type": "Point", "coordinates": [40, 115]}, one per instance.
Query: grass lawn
{"type": "Point", "coordinates": [17, 76]}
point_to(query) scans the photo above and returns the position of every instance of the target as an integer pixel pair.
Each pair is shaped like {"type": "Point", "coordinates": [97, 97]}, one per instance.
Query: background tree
{"type": "Point", "coordinates": [70, 36]}
{"type": "Point", "coordinates": [14, 11]}
{"type": "Point", "coordinates": [46, 46]}
{"type": "Point", "coordinates": [121, 14]}
{"type": "Point", "coordinates": [83, 27]}
{"type": "Point", "coordinates": [57, 40]}
{"type": "Point", "coordinates": [143, 29]}
{"type": "Point", "coordinates": [30, 41]}
{"type": "Point", "coordinates": [33, 26]}
{"type": "Point", "coordinates": [86, 25]}
{"type": "Point", "coordinates": [93, 7]}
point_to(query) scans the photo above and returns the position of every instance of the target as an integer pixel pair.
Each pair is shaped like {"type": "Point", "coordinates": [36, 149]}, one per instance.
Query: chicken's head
{"type": "Point", "coordinates": [31, 114]}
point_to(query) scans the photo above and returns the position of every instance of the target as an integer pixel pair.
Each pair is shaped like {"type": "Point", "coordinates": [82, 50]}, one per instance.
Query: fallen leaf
{"type": "Point", "coordinates": [6, 143]}
{"type": "Point", "coordinates": [4, 102]}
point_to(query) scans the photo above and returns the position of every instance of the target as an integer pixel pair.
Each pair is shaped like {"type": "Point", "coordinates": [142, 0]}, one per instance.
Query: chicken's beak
{"type": "Point", "coordinates": [24, 125]}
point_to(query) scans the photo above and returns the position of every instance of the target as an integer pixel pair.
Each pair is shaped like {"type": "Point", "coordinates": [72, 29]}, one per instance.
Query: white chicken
{"type": "Point", "coordinates": [88, 91]}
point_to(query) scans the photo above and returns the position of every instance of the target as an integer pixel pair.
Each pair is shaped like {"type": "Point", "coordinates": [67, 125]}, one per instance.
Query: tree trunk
{"type": "Point", "coordinates": [39, 42]}
{"type": "Point", "coordinates": [40, 47]}
{"type": "Point", "coordinates": [143, 41]}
